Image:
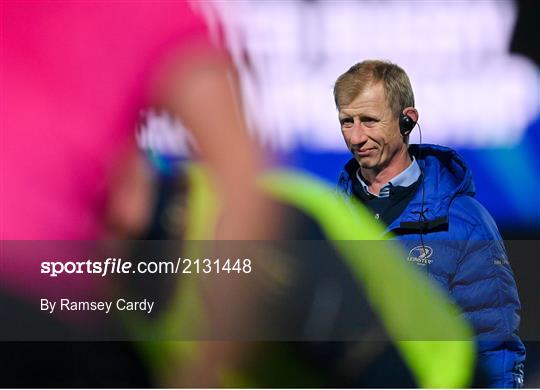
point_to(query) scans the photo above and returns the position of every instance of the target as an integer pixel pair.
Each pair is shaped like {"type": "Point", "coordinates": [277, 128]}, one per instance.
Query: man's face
{"type": "Point", "coordinates": [370, 130]}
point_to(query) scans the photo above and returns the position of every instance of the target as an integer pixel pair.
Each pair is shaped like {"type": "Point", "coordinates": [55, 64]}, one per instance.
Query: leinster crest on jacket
{"type": "Point", "coordinates": [421, 255]}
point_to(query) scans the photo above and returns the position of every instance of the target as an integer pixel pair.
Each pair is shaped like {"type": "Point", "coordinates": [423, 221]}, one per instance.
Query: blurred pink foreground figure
{"type": "Point", "coordinates": [74, 77]}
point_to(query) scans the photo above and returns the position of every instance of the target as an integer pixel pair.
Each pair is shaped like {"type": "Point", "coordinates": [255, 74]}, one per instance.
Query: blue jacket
{"type": "Point", "coordinates": [461, 248]}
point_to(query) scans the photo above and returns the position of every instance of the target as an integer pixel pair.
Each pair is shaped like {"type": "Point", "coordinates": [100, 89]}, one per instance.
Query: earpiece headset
{"type": "Point", "coordinates": [406, 124]}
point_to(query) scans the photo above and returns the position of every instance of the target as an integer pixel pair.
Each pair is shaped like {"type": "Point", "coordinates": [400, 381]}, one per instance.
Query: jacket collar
{"type": "Point", "coordinates": [445, 176]}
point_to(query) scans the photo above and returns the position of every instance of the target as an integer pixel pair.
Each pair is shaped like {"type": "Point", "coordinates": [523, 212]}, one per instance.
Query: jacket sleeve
{"type": "Point", "coordinates": [484, 287]}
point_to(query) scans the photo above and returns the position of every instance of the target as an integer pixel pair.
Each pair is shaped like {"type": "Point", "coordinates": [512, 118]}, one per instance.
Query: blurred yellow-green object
{"type": "Point", "coordinates": [425, 326]}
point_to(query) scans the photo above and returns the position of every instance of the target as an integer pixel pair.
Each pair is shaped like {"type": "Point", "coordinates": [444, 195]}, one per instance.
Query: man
{"type": "Point", "coordinates": [424, 193]}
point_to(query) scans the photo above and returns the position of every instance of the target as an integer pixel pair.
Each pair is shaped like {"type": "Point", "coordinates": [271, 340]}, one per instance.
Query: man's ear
{"type": "Point", "coordinates": [412, 113]}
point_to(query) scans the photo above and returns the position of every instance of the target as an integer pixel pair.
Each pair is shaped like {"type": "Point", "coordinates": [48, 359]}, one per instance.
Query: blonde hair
{"type": "Point", "coordinates": [396, 84]}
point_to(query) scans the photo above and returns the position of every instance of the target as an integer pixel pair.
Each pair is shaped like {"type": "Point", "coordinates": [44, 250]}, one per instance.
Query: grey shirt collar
{"type": "Point", "coordinates": [406, 178]}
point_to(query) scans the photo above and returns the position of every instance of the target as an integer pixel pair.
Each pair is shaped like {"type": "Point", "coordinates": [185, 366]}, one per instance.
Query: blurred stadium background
{"type": "Point", "coordinates": [473, 66]}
